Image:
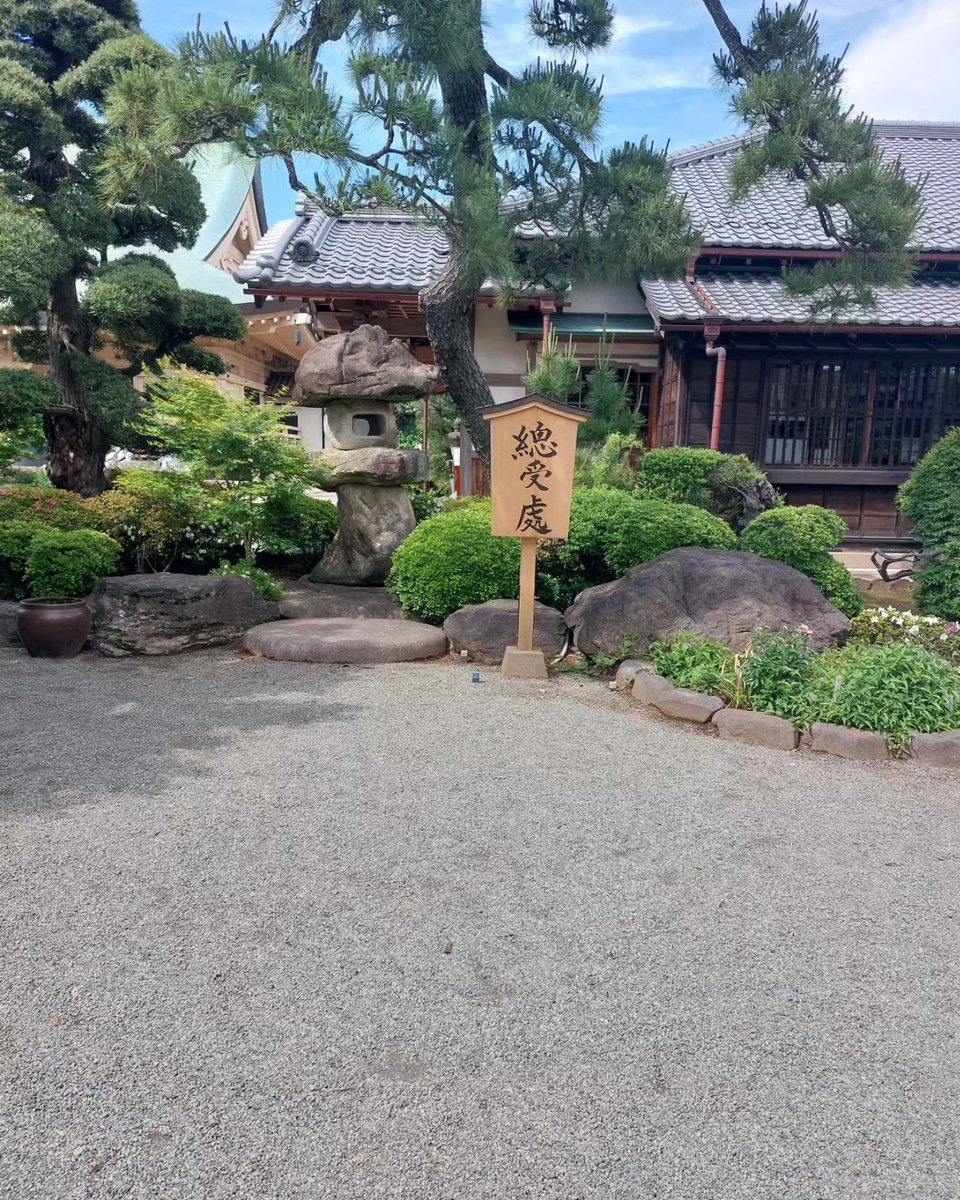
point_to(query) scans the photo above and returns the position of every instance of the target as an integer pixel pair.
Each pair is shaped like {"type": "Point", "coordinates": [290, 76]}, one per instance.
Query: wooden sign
{"type": "Point", "coordinates": [533, 443]}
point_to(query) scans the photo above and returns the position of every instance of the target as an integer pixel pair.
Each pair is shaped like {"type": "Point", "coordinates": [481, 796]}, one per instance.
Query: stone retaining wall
{"type": "Point", "coordinates": [763, 729]}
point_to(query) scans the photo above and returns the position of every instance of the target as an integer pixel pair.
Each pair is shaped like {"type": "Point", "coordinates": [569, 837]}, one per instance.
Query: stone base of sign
{"type": "Point", "coordinates": [523, 664]}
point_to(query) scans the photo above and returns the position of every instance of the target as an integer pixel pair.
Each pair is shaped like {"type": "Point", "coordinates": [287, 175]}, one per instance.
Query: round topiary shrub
{"type": "Point", "coordinates": [565, 568]}
{"type": "Point", "coordinates": [652, 527]}
{"type": "Point", "coordinates": [63, 565]}
{"type": "Point", "coordinates": [803, 537]}
{"type": "Point", "coordinates": [451, 560]}
{"type": "Point", "coordinates": [931, 499]}
{"type": "Point", "coordinates": [728, 485]}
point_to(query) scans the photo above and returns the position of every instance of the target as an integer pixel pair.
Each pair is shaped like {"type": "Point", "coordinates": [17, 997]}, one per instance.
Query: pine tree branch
{"type": "Point", "coordinates": [739, 52]}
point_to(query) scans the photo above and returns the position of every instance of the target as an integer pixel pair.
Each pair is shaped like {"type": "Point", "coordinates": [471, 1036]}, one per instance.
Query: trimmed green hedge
{"type": "Point", "coordinates": [452, 560]}
{"type": "Point", "coordinates": [803, 537]}
{"type": "Point", "coordinates": [64, 564]}
{"type": "Point", "coordinates": [931, 499]}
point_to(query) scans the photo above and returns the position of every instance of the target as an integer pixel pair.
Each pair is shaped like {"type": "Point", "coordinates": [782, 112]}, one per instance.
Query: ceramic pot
{"type": "Point", "coordinates": [51, 630]}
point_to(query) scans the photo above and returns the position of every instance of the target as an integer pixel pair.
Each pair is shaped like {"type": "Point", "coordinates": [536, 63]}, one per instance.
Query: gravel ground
{"type": "Point", "coordinates": [290, 931]}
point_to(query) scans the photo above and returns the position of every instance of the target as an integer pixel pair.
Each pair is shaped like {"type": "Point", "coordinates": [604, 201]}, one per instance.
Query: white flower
{"type": "Point", "coordinates": [874, 620]}
{"type": "Point", "coordinates": [898, 621]}
{"type": "Point", "coordinates": [914, 630]}
{"type": "Point", "coordinates": [931, 620]}
{"type": "Point", "coordinates": [943, 637]}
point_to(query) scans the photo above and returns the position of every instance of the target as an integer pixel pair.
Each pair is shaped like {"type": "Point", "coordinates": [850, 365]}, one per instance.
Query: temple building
{"type": "Point", "coordinates": [836, 412]}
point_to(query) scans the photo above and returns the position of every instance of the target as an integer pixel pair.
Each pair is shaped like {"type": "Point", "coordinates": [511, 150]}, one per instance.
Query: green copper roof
{"type": "Point", "coordinates": [225, 178]}
{"type": "Point", "coordinates": [530, 324]}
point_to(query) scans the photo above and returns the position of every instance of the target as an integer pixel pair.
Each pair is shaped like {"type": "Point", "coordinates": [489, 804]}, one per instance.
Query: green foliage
{"type": "Point", "coordinates": [581, 561]}
{"type": "Point", "coordinates": [607, 464]}
{"type": "Point", "coordinates": [894, 689]}
{"type": "Point", "coordinates": [880, 625]}
{"type": "Point", "coordinates": [607, 398]}
{"type": "Point", "coordinates": [931, 499]}
{"type": "Point", "coordinates": [790, 92]}
{"type": "Point", "coordinates": [57, 228]}
{"type": "Point", "coordinates": [803, 537]}
{"type": "Point", "coordinates": [691, 661]}
{"type": "Point", "coordinates": [425, 504]}
{"type": "Point", "coordinates": [64, 564]}
{"type": "Point", "coordinates": [15, 540]}
{"type": "Point", "coordinates": [649, 528]}
{"type": "Point", "coordinates": [262, 580]}
{"type": "Point", "coordinates": [241, 449]}
{"type": "Point", "coordinates": [23, 397]}
{"type": "Point", "coordinates": [160, 518]}
{"type": "Point", "coordinates": [775, 673]}
{"type": "Point", "coordinates": [611, 532]}
{"type": "Point", "coordinates": [728, 485]}
{"type": "Point", "coordinates": [452, 560]}
{"type": "Point", "coordinates": [44, 506]}
{"type": "Point", "coordinates": [297, 527]}
{"type": "Point", "coordinates": [556, 373]}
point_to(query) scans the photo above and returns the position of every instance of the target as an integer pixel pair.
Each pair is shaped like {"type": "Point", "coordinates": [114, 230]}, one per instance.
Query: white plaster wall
{"type": "Point", "coordinates": [310, 424]}
{"type": "Point", "coordinates": [502, 394]}
{"type": "Point", "coordinates": [619, 297]}
{"type": "Point", "coordinates": [498, 351]}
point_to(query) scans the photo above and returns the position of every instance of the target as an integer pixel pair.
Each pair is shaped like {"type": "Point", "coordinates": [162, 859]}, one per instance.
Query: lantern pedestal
{"type": "Point", "coordinates": [523, 664]}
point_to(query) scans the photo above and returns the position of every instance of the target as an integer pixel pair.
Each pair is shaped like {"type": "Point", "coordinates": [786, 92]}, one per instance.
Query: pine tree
{"type": "Point", "coordinates": [481, 149]}
{"type": "Point", "coordinates": [56, 283]}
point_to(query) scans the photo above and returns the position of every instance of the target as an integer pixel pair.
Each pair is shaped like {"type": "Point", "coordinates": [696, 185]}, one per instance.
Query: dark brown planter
{"type": "Point", "coordinates": [51, 630]}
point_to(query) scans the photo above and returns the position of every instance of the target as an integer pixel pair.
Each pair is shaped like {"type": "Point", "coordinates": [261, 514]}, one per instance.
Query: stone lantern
{"type": "Point", "coordinates": [356, 378]}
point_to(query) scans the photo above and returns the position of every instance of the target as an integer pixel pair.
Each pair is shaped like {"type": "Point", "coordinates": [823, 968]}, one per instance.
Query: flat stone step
{"type": "Point", "coordinates": [346, 640]}
{"type": "Point", "coordinates": [304, 600]}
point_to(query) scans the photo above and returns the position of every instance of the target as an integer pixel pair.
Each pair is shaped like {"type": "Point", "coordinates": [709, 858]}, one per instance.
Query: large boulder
{"type": "Point", "coordinates": [364, 362]}
{"type": "Point", "coordinates": [166, 613]}
{"type": "Point", "coordinates": [486, 630]}
{"type": "Point", "coordinates": [722, 594]}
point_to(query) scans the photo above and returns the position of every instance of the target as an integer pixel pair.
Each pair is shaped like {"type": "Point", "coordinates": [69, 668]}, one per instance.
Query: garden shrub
{"type": "Point", "coordinates": [425, 504]}
{"type": "Point", "coordinates": [565, 568]}
{"type": "Point", "coordinates": [608, 464]}
{"type": "Point", "coordinates": [64, 564]}
{"type": "Point", "coordinates": [878, 625]}
{"type": "Point", "coordinates": [802, 537]}
{"type": "Point", "coordinates": [728, 485]}
{"type": "Point", "coordinates": [893, 689]}
{"type": "Point", "coordinates": [452, 560]}
{"type": "Point", "coordinates": [45, 505]}
{"type": "Point", "coordinates": [162, 519]}
{"type": "Point", "coordinates": [931, 499]}
{"type": "Point", "coordinates": [648, 528]}
{"type": "Point", "coordinates": [297, 527]}
{"type": "Point", "coordinates": [692, 661]}
{"type": "Point", "coordinates": [15, 540]}
{"type": "Point", "coordinates": [774, 673]}
{"type": "Point", "coordinates": [262, 580]}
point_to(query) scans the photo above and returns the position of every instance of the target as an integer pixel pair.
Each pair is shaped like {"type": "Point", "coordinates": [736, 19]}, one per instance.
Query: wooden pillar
{"type": "Point", "coordinates": [528, 584]}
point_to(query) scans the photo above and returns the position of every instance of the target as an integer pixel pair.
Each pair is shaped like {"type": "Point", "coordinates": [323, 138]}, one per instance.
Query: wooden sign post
{"type": "Point", "coordinates": [533, 443]}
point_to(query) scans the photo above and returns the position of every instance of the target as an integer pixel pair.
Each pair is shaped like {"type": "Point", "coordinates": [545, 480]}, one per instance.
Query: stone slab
{"type": "Point", "coordinates": [685, 705]}
{"type": "Point", "coordinates": [861, 744]}
{"type": "Point", "coordinates": [756, 728]}
{"type": "Point", "coordinates": [627, 672]}
{"type": "Point", "coordinates": [936, 749]}
{"type": "Point", "coordinates": [523, 664]}
{"type": "Point", "coordinates": [647, 686]}
{"type": "Point", "coordinates": [346, 640]}
{"type": "Point", "coordinates": [305, 600]}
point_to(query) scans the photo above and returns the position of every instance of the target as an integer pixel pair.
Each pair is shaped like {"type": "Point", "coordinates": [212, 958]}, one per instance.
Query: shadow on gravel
{"type": "Point", "coordinates": [76, 732]}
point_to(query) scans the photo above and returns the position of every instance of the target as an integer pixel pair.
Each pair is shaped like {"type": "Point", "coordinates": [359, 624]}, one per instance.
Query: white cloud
{"type": "Point", "coordinates": [906, 67]}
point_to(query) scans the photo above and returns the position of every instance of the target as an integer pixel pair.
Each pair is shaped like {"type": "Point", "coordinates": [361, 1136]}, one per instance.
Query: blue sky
{"type": "Point", "coordinates": [901, 64]}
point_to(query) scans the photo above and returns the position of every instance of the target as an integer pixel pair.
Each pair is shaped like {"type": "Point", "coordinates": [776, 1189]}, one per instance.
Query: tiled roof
{"type": "Point", "coordinates": [371, 251]}
{"type": "Point", "coordinates": [773, 214]}
{"type": "Point", "coordinates": [756, 299]}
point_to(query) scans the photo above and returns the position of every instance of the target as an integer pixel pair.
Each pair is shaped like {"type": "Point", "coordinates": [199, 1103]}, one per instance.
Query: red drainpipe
{"type": "Point", "coordinates": [711, 333]}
